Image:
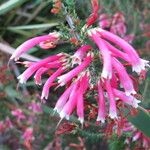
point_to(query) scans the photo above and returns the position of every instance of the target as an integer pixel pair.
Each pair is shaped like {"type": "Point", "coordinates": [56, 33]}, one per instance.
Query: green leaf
{"type": "Point", "coordinates": [141, 121]}
{"type": "Point", "coordinates": [9, 5]}
{"type": "Point", "coordinates": [34, 26]}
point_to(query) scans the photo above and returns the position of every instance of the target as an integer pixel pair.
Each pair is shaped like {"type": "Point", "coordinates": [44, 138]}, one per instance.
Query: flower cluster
{"type": "Point", "coordinates": [113, 83]}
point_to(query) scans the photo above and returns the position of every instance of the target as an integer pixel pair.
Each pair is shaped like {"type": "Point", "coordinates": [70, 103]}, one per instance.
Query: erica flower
{"type": "Point", "coordinates": [125, 80]}
{"type": "Point", "coordinates": [131, 100]}
{"type": "Point", "coordinates": [137, 63]}
{"type": "Point", "coordinates": [112, 101]}
{"type": "Point", "coordinates": [33, 68]}
{"type": "Point", "coordinates": [101, 104]}
{"type": "Point", "coordinates": [49, 83]}
{"type": "Point", "coordinates": [104, 71]}
{"type": "Point", "coordinates": [63, 99]}
{"type": "Point", "coordinates": [107, 65]}
{"type": "Point", "coordinates": [71, 103]}
{"type": "Point", "coordinates": [83, 86]}
{"type": "Point", "coordinates": [33, 42]}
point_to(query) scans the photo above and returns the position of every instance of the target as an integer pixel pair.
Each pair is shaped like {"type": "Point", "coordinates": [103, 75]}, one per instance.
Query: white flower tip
{"type": "Point", "coordinates": [113, 115]}
{"type": "Point", "coordinates": [135, 103]}
{"type": "Point", "coordinates": [38, 83]}
{"type": "Point", "coordinates": [106, 74]}
{"type": "Point", "coordinates": [134, 138]}
{"type": "Point", "coordinates": [81, 120]}
{"type": "Point", "coordinates": [99, 29]}
{"type": "Point", "coordinates": [55, 109]}
{"type": "Point", "coordinates": [16, 59]}
{"type": "Point", "coordinates": [12, 57]}
{"type": "Point", "coordinates": [62, 114]}
{"type": "Point", "coordinates": [141, 66]}
{"type": "Point", "coordinates": [89, 32]}
{"type": "Point", "coordinates": [102, 120]}
{"type": "Point", "coordinates": [128, 93]}
{"type": "Point", "coordinates": [58, 110]}
{"type": "Point", "coordinates": [67, 117]}
{"type": "Point", "coordinates": [61, 80]}
{"type": "Point", "coordinates": [44, 95]}
{"type": "Point", "coordinates": [116, 98]}
{"type": "Point", "coordinates": [21, 79]}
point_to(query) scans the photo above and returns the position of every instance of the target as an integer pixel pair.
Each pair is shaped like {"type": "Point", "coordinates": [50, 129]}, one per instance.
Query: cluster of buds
{"type": "Point", "coordinates": [73, 71]}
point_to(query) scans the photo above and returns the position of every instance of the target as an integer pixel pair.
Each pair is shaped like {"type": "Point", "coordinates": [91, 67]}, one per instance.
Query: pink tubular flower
{"type": "Point", "coordinates": [44, 69]}
{"type": "Point", "coordinates": [83, 85]}
{"type": "Point", "coordinates": [137, 63]}
{"type": "Point", "coordinates": [112, 101]}
{"type": "Point", "coordinates": [124, 77]}
{"type": "Point", "coordinates": [49, 83]}
{"type": "Point", "coordinates": [33, 68]}
{"type": "Point", "coordinates": [101, 104]}
{"type": "Point", "coordinates": [107, 66]}
{"type": "Point", "coordinates": [117, 53]}
{"type": "Point", "coordinates": [114, 81]}
{"type": "Point", "coordinates": [80, 53]}
{"type": "Point", "coordinates": [62, 80]}
{"type": "Point", "coordinates": [127, 99]}
{"type": "Point", "coordinates": [31, 43]}
{"type": "Point", "coordinates": [63, 99]}
{"type": "Point", "coordinates": [38, 75]}
{"type": "Point", "coordinates": [28, 134]}
{"type": "Point", "coordinates": [71, 103]}
{"type": "Point", "coordinates": [18, 113]}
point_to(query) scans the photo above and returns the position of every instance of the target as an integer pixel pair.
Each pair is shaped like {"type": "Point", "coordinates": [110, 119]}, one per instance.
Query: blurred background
{"type": "Point", "coordinates": [25, 122]}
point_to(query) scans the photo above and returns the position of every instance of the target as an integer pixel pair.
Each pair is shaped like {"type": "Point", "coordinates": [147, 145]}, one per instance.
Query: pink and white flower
{"type": "Point", "coordinates": [107, 65]}
{"type": "Point", "coordinates": [101, 104]}
{"type": "Point", "coordinates": [33, 42]}
{"type": "Point", "coordinates": [125, 80]}
{"type": "Point", "coordinates": [112, 101]}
